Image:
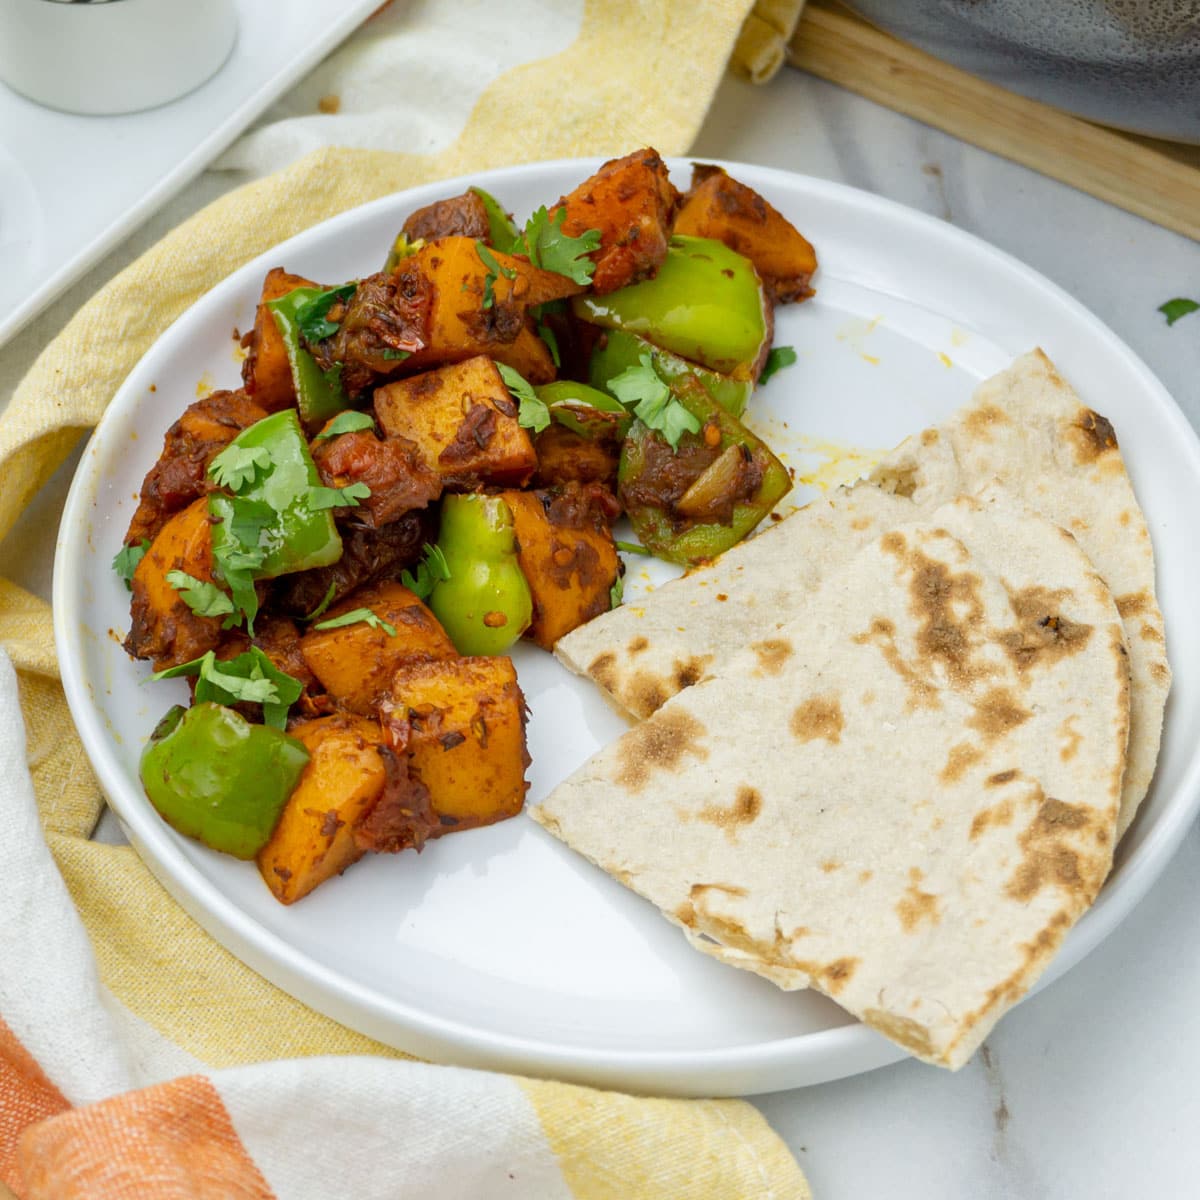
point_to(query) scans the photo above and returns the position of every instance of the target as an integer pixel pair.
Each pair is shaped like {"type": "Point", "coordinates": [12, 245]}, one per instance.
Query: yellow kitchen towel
{"type": "Point", "coordinates": [138, 1057]}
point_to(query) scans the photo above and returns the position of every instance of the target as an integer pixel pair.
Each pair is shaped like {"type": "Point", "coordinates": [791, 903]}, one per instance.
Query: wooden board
{"type": "Point", "coordinates": [1156, 180]}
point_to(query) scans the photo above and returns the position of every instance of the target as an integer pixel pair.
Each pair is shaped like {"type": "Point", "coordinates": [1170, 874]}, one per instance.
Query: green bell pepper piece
{"type": "Point", "coordinates": [485, 603]}
{"type": "Point", "coordinates": [401, 249]}
{"type": "Point", "coordinates": [621, 350]}
{"type": "Point", "coordinates": [216, 777]}
{"type": "Point", "coordinates": [503, 231]}
{"type": "Point", "coordinates": [319, 394]}
{"type": "Point", "coordinates": [275, 500]}
{"type": "Point", "coordinates": [668, 533]}
{"type": "Point", "coordinates": [584, 410]}
{"type": "Point", "coordinates": [706, 303]}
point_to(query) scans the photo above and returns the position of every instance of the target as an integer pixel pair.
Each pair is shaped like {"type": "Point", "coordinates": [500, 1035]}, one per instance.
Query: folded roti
{"type": "Point", "coordinates": [904, 797]}
{"type": "Point", "coordinates": [1025, 427]}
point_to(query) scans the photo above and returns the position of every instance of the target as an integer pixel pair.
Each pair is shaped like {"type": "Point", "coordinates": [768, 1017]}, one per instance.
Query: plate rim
{"type": "Point", "coordinates": [733, 1070]}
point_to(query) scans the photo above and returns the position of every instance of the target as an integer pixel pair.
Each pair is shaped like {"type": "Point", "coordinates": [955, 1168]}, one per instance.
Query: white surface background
{"type": "Point", "coordinates": [1088, 1090]}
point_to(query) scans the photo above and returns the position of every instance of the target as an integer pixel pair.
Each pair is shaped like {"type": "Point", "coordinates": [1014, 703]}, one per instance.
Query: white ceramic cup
{"type": "Point", "coordinates": [112, 56]}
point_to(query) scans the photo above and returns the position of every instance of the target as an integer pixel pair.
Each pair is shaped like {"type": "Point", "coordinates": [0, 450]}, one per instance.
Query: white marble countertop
{"type": "Point", "coordinates": [1088, 1089]}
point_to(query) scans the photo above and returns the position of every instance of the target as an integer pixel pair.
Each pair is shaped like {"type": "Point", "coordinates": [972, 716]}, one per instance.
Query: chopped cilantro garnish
{"type": "Point", "coordinates": [777, 359]}
{"type": "Point", "coordinates": [391, 355]}
{"type": "Point", "coordinates": [616, 593]}
{"type": "Point", "coordinates": [236, 466]}
{"type": "Point", "coordinates": [127, 558]}
{"type": "Point", "coordinates": [431, 570]}
{"type": "Point", "coordinates": [325, 603]}
{"type": "Point", "coordinates": [320, 498]}
{"type": "Point", "coordinates": [653, 402]}
{"type": "Point", "coordinates": [1179, 307]}
{"type": "Point", "coordinates": [533, 413]}
{"type": "Point", "coordinates": [354, 617]}
{"type": "Point", "coordinates": [494, 270]}
{"type": "Point", "coordinates": [346, 422]}
{"type": "Point", "coordinates": [312, 316]}
{"type": "Point", "coordinates": [251, 677]}
{"type": "Point", "coordinates": [548, 247]}
{"type": "Point", "coordinates": [203, 598]}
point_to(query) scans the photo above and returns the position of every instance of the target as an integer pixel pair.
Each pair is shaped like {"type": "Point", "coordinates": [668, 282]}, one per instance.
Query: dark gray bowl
{"type": "Point", "coordinates": [1134, 64]}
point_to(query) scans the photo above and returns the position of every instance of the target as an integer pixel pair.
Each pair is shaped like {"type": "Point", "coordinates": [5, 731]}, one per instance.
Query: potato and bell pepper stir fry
{"type": "Point", "coordinates": [425, 465]}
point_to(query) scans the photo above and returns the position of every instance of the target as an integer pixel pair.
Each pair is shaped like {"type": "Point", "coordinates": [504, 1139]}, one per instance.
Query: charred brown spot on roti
{"type": "Point", "coordinates": [746, 806]}
{"type": "Point", "coordinates": [893, 543]}
{"type": "Point", "coordinates": [1071, 737]}
{"type": "Point", "coordinates": [690, 671]}
{"type": "Point", "coordinates": [915, 905]}
{"type": "Point", "coordinates": [961, 758]}
{"type": "Point", "coordinates": [912, 1035]}
{"type": "Point", "coordinates": [998, 814]}
{"type": "Point", "coordinates": [645, 694]}
{"type": "Point", "coordinates": [882, 633]}
{"type": "Point", "coordinates": [685, 914]}
{"type": "Point", "coordinates": [1161, 673]}
{"type": "Point", "coordinates": [829, 865]}
{"type": "Point", "coordinates": [899, 479]}
{"type": "Point", "coordinates": [835, 975]}
{"type": "Point", "coordinates": [950, 610]}
{"type": "Point", "coordinates": [1149, 633]}
{"type": "Point", "coordinates": [638, 645]}
{"type": "Point", "coordinates": [1002, 777]}
{"type": "Point", "coordinates": [1050, 859]}
{"type": "Point", "coordinates": [1093, 436]}
{"type": "Point", "coordinates": [772, 654]}
{"type": "Point", "coordinates": [601, 670]}
{"type": "Point", "coordinates": [860, 523]}
{"type": "Point", "coordinates": [1132, 603]}
{"type": "Point", "coordinates": [980, 422]}
{"type": "Point", "coordinates": [865, 876]}
{"type": "Point", "coordinates": [818, 717]}
{"type": "Point", "coordinates": [997, 713]}
{"type": "Point", "coordinates": [1042, 635]}
{"type": "Point", "coordinates": [660, 744]}
{"type": "Point", "coordinates": [929, 437]}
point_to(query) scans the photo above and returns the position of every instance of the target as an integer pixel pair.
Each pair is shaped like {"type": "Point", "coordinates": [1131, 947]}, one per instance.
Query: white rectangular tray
{"type": "Point", "coordinates": [72, 187]}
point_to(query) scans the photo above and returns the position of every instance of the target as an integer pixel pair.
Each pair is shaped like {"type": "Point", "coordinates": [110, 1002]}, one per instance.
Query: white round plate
{"type": "Point", "coordinates": [499, 947]}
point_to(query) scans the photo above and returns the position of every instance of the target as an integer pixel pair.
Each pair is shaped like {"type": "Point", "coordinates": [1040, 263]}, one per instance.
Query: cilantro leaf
{"type": "Point", "coordinates": [494, 270]}
{"type": "Point", "coordinates": [236, 465]}
{"type": "Point", "coordinates": [325, 603]}
{"type": "Point", "coordinates": [312, 315]}
{"type": "Point", "coordinates": [547, 335]}
{"type": "Point", "coordinates": [548, 247]}
{"type": "Point", "coordinates": [1179, 307]}
{"type": "Point", "coordinates": [390, 355]}
{"type": "Point", "coordinates": [204, 599]}
{"type": "Point", "coordinates": [320, 498]}
{"type": "Point", "coordinates": [777, 359]}
{"type": "Point", "coordinates": [127, 558]}
{"type": "Point", "coordinates": [616, 593]}
{"type": "Point", "coordinates": [653, 402]}
{"type": "Point", "coordinates": [251, 676]}
{"type": "Point", "coordinates": [349, 421]}
{"type": "Point", "coordinates": [431, 570]}
{"type": "Point", "coordinates": [354, 617]}
{"type": "Point", "coordinates": [533, 414]}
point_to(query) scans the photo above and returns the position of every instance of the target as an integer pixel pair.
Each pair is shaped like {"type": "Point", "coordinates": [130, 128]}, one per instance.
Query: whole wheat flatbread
{"type": "Point", "coordinates": [908, 799]}
{"type": "Point", "coordinates": [1025, 427]}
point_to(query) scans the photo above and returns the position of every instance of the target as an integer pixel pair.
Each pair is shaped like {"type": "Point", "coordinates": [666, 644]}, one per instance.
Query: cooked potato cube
{"type": "Point", "coordinates": [568, 556]}
{"type": "Point", "coordinates": [464, 420]}
{"type": "Point", "coordinates": [462, 321]}
{"type": "Point", "coordinates": [314, 839]}
{"type": "Point", "coordinates": [163, 627]}
{"type": "Point", "coordinates": [459, 216]}
{"type": "Point", "coordinates": [462, 721]}
{"type": "Point", "coordinates": [267, 371]}
{"type": "Point", "coordinates": [631, 202]}
{"type": "Point", "coordinates": [355, 663]}
{"type": "Point", "coordinates": [719, 207]}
